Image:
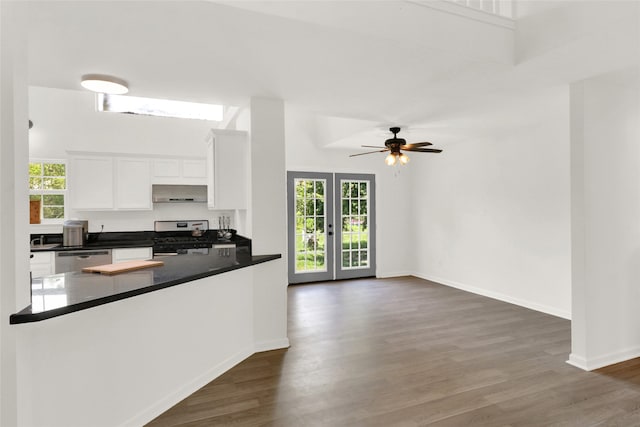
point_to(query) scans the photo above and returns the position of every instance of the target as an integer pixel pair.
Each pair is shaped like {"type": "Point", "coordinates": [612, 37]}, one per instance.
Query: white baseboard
{"type": "Point", "coordinates": [271, 345]}
{"type": "Point", "coordinates": [186, 390]}
{"type": "Point", "coordinates": [387, 274]}
{"type": "Point", "coordinates": [577, 361]}
{"type": "Point", "coordinates": [590, 364]}
{"type": "Point", "coordinates": [499, 296]}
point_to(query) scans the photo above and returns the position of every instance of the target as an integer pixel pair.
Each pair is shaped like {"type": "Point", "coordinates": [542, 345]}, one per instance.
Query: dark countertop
{"type": "Point", "coordinates": [65, 293]}
{"type": "Point", "coordinates": [97, 245]}
{"type": "Point", "coordinates": [115, 240]}
{"type": "Point", "coordinates": [112, 240]}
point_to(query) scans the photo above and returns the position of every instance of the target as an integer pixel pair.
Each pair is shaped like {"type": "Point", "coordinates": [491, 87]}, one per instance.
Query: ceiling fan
{"type": "Point", "coordinates": [395, 144]}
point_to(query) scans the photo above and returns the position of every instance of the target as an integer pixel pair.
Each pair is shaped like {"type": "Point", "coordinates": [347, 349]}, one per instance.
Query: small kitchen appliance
{"type": "Point", "coordinates": [75, 232]}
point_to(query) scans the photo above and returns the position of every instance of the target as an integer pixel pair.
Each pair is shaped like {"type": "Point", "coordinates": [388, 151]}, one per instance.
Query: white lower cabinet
{"type": "Point", "coordinates": [131, 254]}
{"type": "Point", "coordinates": [42, 264]}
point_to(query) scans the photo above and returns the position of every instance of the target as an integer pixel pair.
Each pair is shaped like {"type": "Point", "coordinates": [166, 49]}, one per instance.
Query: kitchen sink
{"type": "Point", "coordinates": [47, 246]}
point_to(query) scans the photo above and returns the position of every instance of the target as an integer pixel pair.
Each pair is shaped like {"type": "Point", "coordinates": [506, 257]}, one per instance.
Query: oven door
{"type": "Point", "coordinates": [180, 251]}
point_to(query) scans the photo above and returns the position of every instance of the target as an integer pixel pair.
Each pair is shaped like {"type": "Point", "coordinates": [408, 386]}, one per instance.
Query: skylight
{"type": "Point", "coordinates": [159, 107]}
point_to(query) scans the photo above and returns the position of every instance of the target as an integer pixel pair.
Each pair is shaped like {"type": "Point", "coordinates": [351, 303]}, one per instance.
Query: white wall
{"type": "Point", "coordinates": [494, 218]}
{"type": "Point", "coordinates": [67, 120]}
{"type": "Point", "coordinates": [124, 363]}
{"type": "Point", "coordinates": [269, 221]}
{"type": "Point", "coordinates": [14, 251]}
{"type": "Point", "coordinates": [577, 39]}
{"type": "Point", "coordinates": [393, 188]}
{"type": "Point", "coordinates": [605, 130]}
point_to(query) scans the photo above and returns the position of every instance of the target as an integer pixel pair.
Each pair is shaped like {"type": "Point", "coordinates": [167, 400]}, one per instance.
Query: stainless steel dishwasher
{"type": "Point", "coordinates": [78, 259]}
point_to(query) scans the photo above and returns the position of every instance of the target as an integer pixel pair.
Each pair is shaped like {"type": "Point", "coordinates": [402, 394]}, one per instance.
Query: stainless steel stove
{"type": "Point", "coordinates": [181, 237]}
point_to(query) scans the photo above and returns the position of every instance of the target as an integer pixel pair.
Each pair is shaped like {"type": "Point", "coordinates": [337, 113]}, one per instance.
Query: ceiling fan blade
{"type": "Point", "coordinates": [426, 150]}
{"type": "Point", "coordinates": [415, 145]}
{"type": "Point", "coordinates": [369, 152]}
{"type": "Point", "coordinates": [371, 146]}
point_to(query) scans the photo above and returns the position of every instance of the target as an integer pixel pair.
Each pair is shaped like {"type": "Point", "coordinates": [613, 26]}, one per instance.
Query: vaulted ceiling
{"type": "Point", "coordinates": [370, 64]}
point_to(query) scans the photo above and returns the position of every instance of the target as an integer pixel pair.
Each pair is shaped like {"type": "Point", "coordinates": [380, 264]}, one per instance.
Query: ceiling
{"type": "Point", "coordinates": [371, 63]}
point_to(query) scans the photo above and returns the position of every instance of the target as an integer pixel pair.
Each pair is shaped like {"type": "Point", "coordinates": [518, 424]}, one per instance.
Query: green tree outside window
{"type": "Point", "coordinates": [48, 184]}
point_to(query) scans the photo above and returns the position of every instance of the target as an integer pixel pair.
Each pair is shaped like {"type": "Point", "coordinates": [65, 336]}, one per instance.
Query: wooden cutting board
{"type": "Point", "coordinates": [122, 267]}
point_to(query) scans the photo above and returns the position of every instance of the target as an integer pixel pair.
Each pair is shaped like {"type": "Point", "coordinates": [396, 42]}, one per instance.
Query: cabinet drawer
{"type": "Point", "coordinates": [132, 254]}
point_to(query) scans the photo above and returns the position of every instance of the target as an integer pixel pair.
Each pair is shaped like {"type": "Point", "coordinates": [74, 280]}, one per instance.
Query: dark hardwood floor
{"type": "Point", "coordinates": [408, 352]}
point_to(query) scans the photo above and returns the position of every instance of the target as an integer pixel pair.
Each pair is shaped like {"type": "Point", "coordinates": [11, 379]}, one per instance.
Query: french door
{"type": "Point", "coordinates": [331, 226]}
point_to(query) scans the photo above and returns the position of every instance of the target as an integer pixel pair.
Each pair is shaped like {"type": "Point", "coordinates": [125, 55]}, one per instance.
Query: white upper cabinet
{"type": "Point", "coordinates": [194, 168]}
{"type": "Point", "coordinates": [179, 171]}
{"type": "Point", "coordinates": [228, 169]}
{"type": "Point", "coordinates": [91, 182]}
{"type": "Point", "coordinates": [106, 182]}
{"type": "Point", "coordinates": [133, 184]}
{"type": "Point", "coordinates": [165, 169]}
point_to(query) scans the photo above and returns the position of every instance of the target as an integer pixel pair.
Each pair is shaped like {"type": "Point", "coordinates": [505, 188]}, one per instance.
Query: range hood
{"type": "Point", "coordinates": [179, 193]}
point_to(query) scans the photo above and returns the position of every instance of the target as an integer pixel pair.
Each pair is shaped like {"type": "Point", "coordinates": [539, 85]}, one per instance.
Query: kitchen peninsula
{"type": "Point", "coordinates": [156, 335]}
{"type": "Point", "coordinates": [65, 293]}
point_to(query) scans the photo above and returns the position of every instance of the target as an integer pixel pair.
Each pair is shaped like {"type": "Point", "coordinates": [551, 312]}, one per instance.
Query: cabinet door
{"type": "Point", "coordinates": [91, 183]}
{"type": "Point", "coordinates": [194, 168]}
{"type": "Point", "coordinates": [228, 169]}
{"type": "Point", "coordinates": [42, 264]}
{"type": "Point", "coordinates": [131, 254]}
{"type": "Point", "coordinates": [166, 168]}
{"type": "Point", "coordinates": [179, 171]}
{"type": "Point", "coordinates": [133, 177]}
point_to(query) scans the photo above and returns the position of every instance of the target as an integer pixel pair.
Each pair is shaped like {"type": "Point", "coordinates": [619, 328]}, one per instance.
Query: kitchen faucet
{"type": "Point", "coordinates": [41, 239]}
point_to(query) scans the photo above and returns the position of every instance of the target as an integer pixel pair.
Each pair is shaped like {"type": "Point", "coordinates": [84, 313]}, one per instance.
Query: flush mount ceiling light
{"type": "Point", "coordinates": [104, 84]}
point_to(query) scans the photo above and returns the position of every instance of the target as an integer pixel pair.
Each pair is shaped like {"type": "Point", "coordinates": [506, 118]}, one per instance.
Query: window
{"type": "Point", "coordinates": [48, 185]}
{"type": "Point", "coordinates": [159, 107]}
{"type": "Point", "coordinates": [355, 220]}
{"type": "Point", "coordinates": [311, 233]}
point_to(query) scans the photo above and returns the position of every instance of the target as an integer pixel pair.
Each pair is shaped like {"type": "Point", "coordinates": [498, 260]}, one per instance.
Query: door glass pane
{"type": "Point", "coordinates": [355, 219]}
{"type": "Point", "coordinates": [310, 238]}
{"type": "Point", "coordinates": [346, 260]}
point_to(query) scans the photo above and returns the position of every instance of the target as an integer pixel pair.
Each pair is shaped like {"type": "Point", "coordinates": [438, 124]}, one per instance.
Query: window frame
{"type": "Point", "coordinates": [43, 192]}
{"type": "Point", "coordinates": [157, 107]}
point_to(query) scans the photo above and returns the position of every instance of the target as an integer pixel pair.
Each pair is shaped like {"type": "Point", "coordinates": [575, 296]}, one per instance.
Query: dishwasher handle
{"type": "Point", "coordinates": [82, 254]}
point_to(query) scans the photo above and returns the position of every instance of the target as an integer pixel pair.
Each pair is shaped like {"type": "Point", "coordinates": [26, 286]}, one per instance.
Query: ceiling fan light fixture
{"type": "Point", "coordinates": [104, 84]}
{"type": "Point", "coordinates": [394, 147]}
{"type": "Point", "coordinates": [391, 159]}
{"type": "Point", "coordinates": [404, 159]}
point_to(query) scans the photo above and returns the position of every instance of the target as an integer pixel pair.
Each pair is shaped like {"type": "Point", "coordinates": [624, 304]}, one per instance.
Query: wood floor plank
{"type": "Point", "coordinates": [409, 352]}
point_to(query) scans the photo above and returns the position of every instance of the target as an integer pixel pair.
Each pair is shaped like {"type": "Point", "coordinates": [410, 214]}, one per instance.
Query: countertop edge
{"type": "Point", "coordinates": [24, 316]}
{"type": "Point", "coordinates": [107, 245]}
